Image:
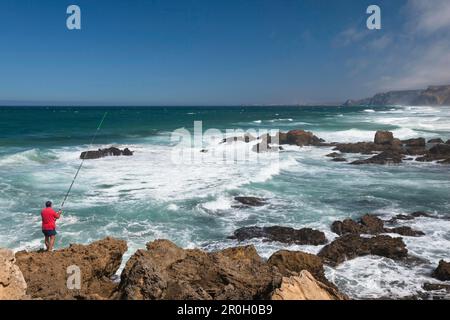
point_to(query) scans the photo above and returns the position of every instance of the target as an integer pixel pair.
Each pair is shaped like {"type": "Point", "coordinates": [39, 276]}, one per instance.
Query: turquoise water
{"type": "Point", "coordinates": [147, 196]}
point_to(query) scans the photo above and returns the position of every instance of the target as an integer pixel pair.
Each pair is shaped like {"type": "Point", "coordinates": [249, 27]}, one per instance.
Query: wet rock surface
{"type": "Point", "coordinates": [386, 157]}
{"type": "Point", "coordinates": [351, 246]}
{"type": "Point", "coordinates": [370, 224]}
{"type": "Point", "coordinates": [442, 272]}
{"type": "Point", "coordinates": [101, 153]}
{"type": "Point", "coordinates": [251, 201]}
{"type": "Point", "coordinates": [281, 234]}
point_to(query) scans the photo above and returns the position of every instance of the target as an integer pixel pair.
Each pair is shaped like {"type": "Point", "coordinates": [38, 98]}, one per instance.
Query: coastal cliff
{"type": "Point", "coordinates": [432, 96]}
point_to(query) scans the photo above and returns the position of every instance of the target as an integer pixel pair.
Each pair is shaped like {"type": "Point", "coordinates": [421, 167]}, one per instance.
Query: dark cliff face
{"type": "Point", "coordinates": [433, 96]}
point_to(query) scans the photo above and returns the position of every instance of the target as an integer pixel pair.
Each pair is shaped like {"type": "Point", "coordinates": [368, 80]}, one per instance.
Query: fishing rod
{"type": "Point", "coordinates": [82, 161]}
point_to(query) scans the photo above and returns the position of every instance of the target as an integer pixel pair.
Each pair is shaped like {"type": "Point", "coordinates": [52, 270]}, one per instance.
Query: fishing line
{"type": "Point", "coordinates": [82, 161]}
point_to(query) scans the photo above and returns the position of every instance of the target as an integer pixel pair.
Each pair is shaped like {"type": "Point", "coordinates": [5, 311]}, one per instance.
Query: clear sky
{"type": "Point", "coordinates": [218, 52]}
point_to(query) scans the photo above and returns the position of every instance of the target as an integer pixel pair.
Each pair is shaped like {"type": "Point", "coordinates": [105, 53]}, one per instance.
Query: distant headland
{"type": "Point", "coordinates": [432, 96]}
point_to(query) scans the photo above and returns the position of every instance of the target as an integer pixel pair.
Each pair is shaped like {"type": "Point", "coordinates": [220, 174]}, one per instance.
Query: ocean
{"type": "Point", "coordinates": [147, 196]}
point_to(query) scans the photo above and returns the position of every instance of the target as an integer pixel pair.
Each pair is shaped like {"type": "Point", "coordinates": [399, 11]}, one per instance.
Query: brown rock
{"type": "Point", "coordinates": [360, 147]}
{"type": "Point", "coordinates": [368, 224]}
{"type": "Point", "coordinates": [12, 282]}
{"type": "Point", "coordinates": [351, 246]}
{"type": "Point", "coordinates": [305, 287]}
{"type": "Point", "coordinates": [282, 234]}
{"type": "Point", "coordinates": [417, 142]}
{"type": "Point", "coordinates": [383, 137]}
{"type": "Point", "coordinates": [165, 271]}
{"type": "Point", "coordinates": [442, 272]}
{"type": "Point", "coordinates": [293, 262]}
{"type": "Point", "coordinates": [46, 272]}
{"type": "Point", "coordinates": [372, 224]}
{"type": "Point", "coordinates": [348, 226]}
{"type": "Point", "coordinates": [302, 138]}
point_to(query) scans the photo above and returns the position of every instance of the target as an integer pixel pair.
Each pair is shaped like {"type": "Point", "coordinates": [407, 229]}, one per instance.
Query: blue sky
{"type": "Point", "coordinates": [217, 52]}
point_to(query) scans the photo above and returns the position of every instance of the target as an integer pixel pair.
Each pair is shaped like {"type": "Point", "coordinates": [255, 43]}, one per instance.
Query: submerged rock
{"type": "Point", "coordinates": [351, 246]}
{"type": "Point", "coordinates": [12, 282]}
{"type": "Point", "coordinates": [436, 287]}
{"type": "Point", "coordinates": [360, 147]}
{"type": "Point", "coordinates": [244, 138]}
{"type": "Point", "coordinates": [101, 153]}
{"type": "Point", "coordinates": [412, 216]}
{"type": "Point", "coordinates": [386, 157]}
{"type": "Point", "coordinates": [405, 231]}
{"type": "Point", "coordinates": [46, 272]}
{"type": "Point", "coordinates": [442, 272]}
{"type": "Point", "coordinates": [334, 155]}
{"type": "Point", "coordinates": [251, 201]}
{"type": "Point", "coordinates": [282, 234]}
{"type": "Point", "coordinates": [339, 160]}
{"type": "Point", "coordinates": [264, 147]}
{"type": "Point", "coordinates": [305, 287]}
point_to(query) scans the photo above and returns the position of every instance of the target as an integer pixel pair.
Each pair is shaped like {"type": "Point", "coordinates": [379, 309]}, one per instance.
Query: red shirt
{"type": "Point", "coordinates": [49, 217]}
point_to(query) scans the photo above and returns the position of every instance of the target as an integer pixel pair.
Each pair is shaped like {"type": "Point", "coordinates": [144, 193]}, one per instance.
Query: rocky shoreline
{"type": "Point", "coordinates": [165, 271]}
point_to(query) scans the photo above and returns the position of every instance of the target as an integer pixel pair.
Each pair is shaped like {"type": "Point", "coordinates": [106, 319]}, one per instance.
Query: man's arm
{"type": "Point", "coordinates": [57, 215]}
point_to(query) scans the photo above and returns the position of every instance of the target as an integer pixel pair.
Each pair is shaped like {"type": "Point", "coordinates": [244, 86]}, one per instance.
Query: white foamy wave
{"type": "Point", "coordinates": [172, 207]}
{"type": "Point", "coordinates": [220, 204]}
{"type": "Point", "coordinates": [369, 110]}
{"type": "Point", "coordinates": [281, 120]}
{"type": "Point", "coordinates": [357, 135]}
{"type": "Point", "coordinates": [372, 277]}
{"type": "Point", "coordinates": [32, 156]}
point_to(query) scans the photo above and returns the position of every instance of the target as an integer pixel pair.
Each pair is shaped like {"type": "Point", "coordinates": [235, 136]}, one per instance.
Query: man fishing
{"type": "Point", "coordinates": [49, 217]}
